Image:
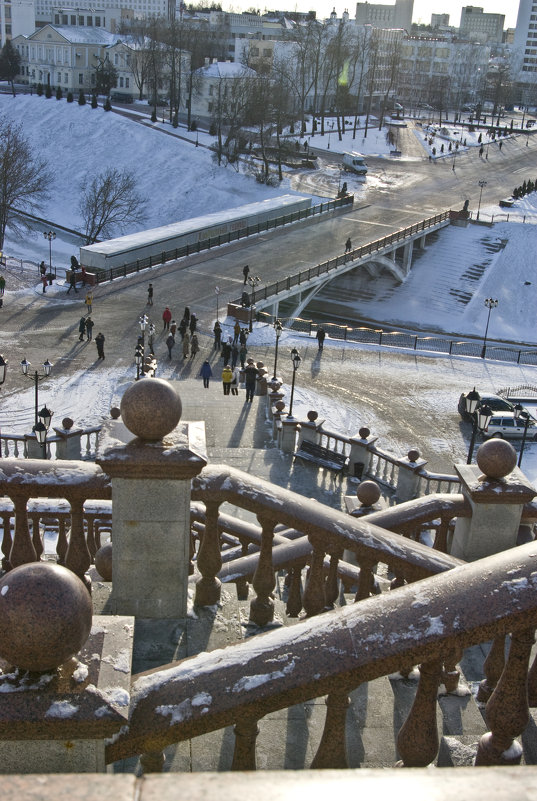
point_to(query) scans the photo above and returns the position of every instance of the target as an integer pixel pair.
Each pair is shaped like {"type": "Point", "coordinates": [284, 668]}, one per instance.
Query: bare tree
{"type": "Point", "coordinates": [109, 203]}
{"type": "Point", "coordinates": [24, 179]}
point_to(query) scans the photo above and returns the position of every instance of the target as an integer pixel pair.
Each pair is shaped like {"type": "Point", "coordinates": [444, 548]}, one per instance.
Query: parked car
{"type": "Point", "coordinates": [494, 402]}
{"type": "Point", "coordinates": [506, 426]}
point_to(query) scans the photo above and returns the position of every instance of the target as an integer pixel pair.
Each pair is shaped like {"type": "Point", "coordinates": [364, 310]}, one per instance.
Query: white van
{"type": "Point", "coordinates": [354, 162]}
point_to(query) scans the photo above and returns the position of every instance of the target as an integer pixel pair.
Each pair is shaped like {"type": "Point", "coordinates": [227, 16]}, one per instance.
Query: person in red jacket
{"type": "Point", "coordinates": [166, 318]}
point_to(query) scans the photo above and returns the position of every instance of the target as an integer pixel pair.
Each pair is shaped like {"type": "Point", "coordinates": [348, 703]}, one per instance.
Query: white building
{"type": "Point", "coordinates": [44, 9]}
{"type": "Point", "coordinates": [215, 85]}
{"type": "Point", "coordinates": [525, 46]}
{"type": "Point", "coordinates": [16, 17]}
{"type": "Point", "coordinates": [382, 15]}
{"type": "Point", "coordinates": [481, 27]}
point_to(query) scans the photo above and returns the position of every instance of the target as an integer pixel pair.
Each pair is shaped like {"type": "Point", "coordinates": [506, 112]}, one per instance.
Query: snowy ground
{"type": "Point", "coordinates": [175, 178]}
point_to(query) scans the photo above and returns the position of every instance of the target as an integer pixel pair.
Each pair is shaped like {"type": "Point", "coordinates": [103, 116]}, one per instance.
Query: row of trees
{"type": "Point", "coordinates": [525, 189]}
{"type": "Point", "coordinates": [107, 201]}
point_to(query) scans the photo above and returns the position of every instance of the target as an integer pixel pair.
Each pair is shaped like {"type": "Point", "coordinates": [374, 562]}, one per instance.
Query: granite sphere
{"type": "Point", "coordinates": [368, 493]}
{"type": "Point", "coordinates": [151, 408]}
{"type": "Point", "coordinates": [496, 458]}
{"type": "Point", "coordinates": [103, 561]}
{"type": "Point", "coordinates": [45, 616]}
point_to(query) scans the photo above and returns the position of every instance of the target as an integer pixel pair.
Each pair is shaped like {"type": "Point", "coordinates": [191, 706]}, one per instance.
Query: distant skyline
{"type": "Point", "coordinates": [422, 8]}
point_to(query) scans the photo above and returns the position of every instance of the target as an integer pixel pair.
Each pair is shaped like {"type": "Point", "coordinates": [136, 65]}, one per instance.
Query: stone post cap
{"type": "Point", "coordinates": [495, 479]}
{"type": "Point", "coordinates": [412, 460]}
{"type": "Point", "coordinates": [364, 437]}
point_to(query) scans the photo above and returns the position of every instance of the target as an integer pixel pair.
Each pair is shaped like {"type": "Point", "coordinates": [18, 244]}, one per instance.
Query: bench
{"type": "Point", "coordinates": [312, 452]}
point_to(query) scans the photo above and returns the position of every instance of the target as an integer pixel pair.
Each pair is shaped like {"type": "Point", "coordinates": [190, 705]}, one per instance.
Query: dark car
{"type": "Point", "coordinates": [496, 403]}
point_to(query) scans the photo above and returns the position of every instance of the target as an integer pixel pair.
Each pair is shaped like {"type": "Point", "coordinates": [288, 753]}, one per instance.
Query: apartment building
{"type": "Point", "coordinates": [382, 15]}
{"type": "Point", "coordinates": [481, 27]}
{"type": "Point", "coordinates": [525, 47]}
{"type": "Point", "coordinates": [16, 17]}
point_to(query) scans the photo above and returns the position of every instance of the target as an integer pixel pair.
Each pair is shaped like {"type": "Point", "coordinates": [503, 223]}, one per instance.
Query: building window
{"type": "Point", "coordinates": [97, 22]}
{"type": "Point", "coordinates": [209, 107]}
{"type": "Point", "coordinates": [81, 78]}
{"type": "Point", "coordinates": [211, 87]}
{"type": "Point", "coordinates": [59, 77]}
{"type": "Point", "coordinates": [116, 59]}
{"type": "Point", "coordinates": [127, 83]}
{"type": "Point", "coordinates": [81, 21]}
{"type": "Point", "coordinates": [65, 78]}
{"type": "Point", "coordinates": [89, 22]}
{"type": "Point", "coordinates": [121, 82]}
{"type": "Point", "coordinates": [64, 19]}
{"type": "Point", "coordinates": [56, 19]}
{"type": "Point", "coordinates": [73, 19]}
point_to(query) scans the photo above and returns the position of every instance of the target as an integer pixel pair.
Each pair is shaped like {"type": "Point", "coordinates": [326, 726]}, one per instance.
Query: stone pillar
{"type": "Point", "coordinates": [360, 455]}
{"type": "Point", "coordinates": [308, 431]}
{"type": "Point", "coordinates": [408, 479]}
{"type": "Point", "coordinates": [407, 256]}
{"type": "Point", "coordinates": [497, 491]}
{"type": "Point", "coordinates": [151, 475]}
{"type": "Point", "coordinates": [288, 434]}
{"type": "Point", "coordinates": [422, 242]}
{"type": "Point", "coordinates": [277, 413]}
{"type": "Point", "coordinates": [261, 383]}
{"type": "Point", "coordinates": [68, 444]}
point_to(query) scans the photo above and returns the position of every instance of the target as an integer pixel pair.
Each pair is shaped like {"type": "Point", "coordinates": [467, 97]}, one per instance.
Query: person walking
{"type": "Point", "coordinates": [235, 381]}
{"type": "Point", "coordinates": [234, 355]}
{"type": "Point", "coordinates": [250, 378]}
{"type": "Point", "coordinates": [226, 351]}
{"type": "Point", "coordinates": [150, 338]}
{"type": "Point", "coordinates": [227, 375]}
{"type": "Point", "coordinates": [236, 332]}
{"type": "Point", "coordinates": [89, 301]}
{"type": "Point", "coordinates": [217, 330]}
{"type": "Point", "coordinates": [206, 373]}
{"type": "Point", "coordinates": [186, 347]}
{"type": "Point", "coordinates": [72, 281]}
{"type": "Point", "coordinates": [173, 327]}
{"type": "Point", "coordinates": [183, 325]}
{"type": "Point", "coordinates": [348, 245]}
{"type": "Point", "coordinates": [243, 350]}
{"type": "Point", "coordinates": [186, 315]}
{"type": "Point", "coordinates": [81, 328]}
{"type": "Point", "coordinates": [321, 333]}
{"type": "Point", "coordinates": [166, 318]}
{"type": "Point", "coordinates": [245, 272]}
{"type": "Point", "coordinates": [44, 282]}
{"type": "Point", "coordinates": [99, 341]}
{"type": "Point", "coordinates": [193, 323]}
{"type": "Point", "coordinates": [89, 329]}
{"type": "Point", "coordinates": [170, 342]}
{"type": "Point", "coordinates": [194, 345]}
{"type": "Point", "coordinates": [42, 269]}
{"type": "Point", "coordinates": [150, 295]}
{"type": "Point", "coordinates": [243, 336]}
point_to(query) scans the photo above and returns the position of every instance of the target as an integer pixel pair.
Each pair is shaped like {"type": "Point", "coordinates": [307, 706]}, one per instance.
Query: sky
{"type": "Point", "coordinates": [422, 8]}
{"type": "Point", "coordinates": [507, 248]}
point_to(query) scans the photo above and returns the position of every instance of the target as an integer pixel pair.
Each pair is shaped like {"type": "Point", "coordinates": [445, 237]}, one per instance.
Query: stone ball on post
{"type": "Point", "coordinates": [103, 561]}
{"type": "Point", "coordinates": [368, 493]}
{"type": "Point", "coordinates": [496, 458]}
{"type": "Point", "coordinates": [151, 409]}
{"type": "Point", "coordinates": [45, 616]}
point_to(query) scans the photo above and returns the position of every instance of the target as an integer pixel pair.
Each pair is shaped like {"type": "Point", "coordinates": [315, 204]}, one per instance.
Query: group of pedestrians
{"type": "Point", "coordinates": [231, 377]}
{"type": "Point", "coordinates": [187, 330]}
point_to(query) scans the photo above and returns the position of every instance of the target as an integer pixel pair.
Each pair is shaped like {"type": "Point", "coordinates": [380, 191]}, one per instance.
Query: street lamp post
{"type": "Point", "coordinates": [3, 368]}
{"type": "Point", "coordinates": [51, 236]}
{"type": "Point", "coordinates": [295, 358]}
{"type": "Point", "coordinates": [217, 292]}
{"type": "Point", "coordinates": [480, 418]}
{"type": "Point", "coordinates": [143, 321]}
{"type": "Point", "coordinates": [278, 331]}
{"type": "Point", "coordinates": [253, 281]}
{"type": "Point", "coordinates": [521, 413]}
{"type": "Point", "coordinates": [41, 419]}
{"type": "Point", "coordinates": [490, 303]}
{"type": "Point", "coordinates": [138, 357]}
{"type": "Point", "coordinates": [482, 184]}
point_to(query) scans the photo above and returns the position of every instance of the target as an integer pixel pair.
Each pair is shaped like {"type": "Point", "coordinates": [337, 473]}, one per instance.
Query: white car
{"type": "Point", "coordinates": [505, 426]}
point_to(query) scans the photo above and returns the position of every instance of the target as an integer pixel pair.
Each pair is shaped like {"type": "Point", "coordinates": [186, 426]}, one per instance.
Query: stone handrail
{"type": "Point", "coordinates": [18, 445]}
{"type": "Point", "coordinates": [332, 654]}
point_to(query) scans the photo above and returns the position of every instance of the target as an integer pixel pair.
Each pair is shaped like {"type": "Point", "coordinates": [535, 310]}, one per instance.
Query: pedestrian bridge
{"type": "Point", "coordinates": [393, 253]}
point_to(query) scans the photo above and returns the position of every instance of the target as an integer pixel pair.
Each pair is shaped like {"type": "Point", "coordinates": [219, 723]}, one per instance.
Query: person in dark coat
{"type": "Point", "coordinates": [186, 315]}
{"type": "Point", "coordinates": [170, 342]}
{"type": "Point", "coordinates": [206, 373]}
{"type": "Point", "coordinates": [99, 341]}
{"type": "Point", "coordinates": [243, 336]}
{"type": "Point", "coordinates": [226, 352]}
{"type": "Point", "coordinates": [193, 322]}
{"type": "Point", "coordinates": [150, 295]}
{"type": "Point", "coordinates": [250, 378]}
{"type": "Point", "coordinates": [348, 245]}
{"type": "Point", "coordinates": [217, 335]}
{"type": "Point", "coordinates": [321, 333]}
{"type": "Point", "coordinates": [81, 328]}
{"type": "Point", "coordinates": [89, 328]}
{"type": "Point", "coordinates": [72, 281]}
{"type": "Point", "coordinates": [243, 350]}
{"type": "Point", "coordinates": [183, 325]}
{"type": "Point", "coordinates": [234, 355]}
{"type": "Point", "coordinates": [245, 272]}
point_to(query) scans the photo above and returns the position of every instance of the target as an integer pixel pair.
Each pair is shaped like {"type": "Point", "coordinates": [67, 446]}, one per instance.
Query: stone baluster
{"type": "Point", "coordinates": [262, 606]}
{"type": "Point", "coordinates": [23, 550]}
{"type": "Point", "coordinates": [331, 589]}
{"type": "Point", "coordinates": [35, 518]}
{"type": "Point", "coordinates": [366, 582]}
{"type": "Point", "coordinates": [246, 731]}
{"type": "Point", "coordinates": [7, 541]}
{"type": "Point", "coordinates": [294, 597]}
{"type": "Point", "coordinates": [78, 557]}
{"type": "Point", "coordinates": [90, 535]}
{"type": "Point", "coordinates": [450, 673]}
{"type": "Point", "coordinates": [242, 583]}
{"type": "Point", "coordinates": [492, 668]}
{"type": "Point", "coordinates": [209, 587]}
{"type": "Point", "coordinates": [62, 543]}
{"type": "Point", "coordinates": [507, 713]}
{"type": "Point", "coordinates": [417, 741]}
{"type": "Point", "coordinates": [153, 761]}
{"type": "Point", "coordinates": [314, 600]}
{"type": "Point", "coordinates": [332, 751]}
{"type": "Point", "coordinates": [532, 684]}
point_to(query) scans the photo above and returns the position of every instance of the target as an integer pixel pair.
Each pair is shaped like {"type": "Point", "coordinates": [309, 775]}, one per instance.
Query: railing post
{"type": "Point", "coordinates": [417, 741]}
{"type": "Point", "coordinates": [151, 458]}
{"type": "Point", "coordinates": [314, 599]}
{"type": "Point", "coordinates": [408, 476]}
{"type": "Point", "coordinates": [208, 586]}
{"type": "Point", "coordinates": [332, 751]}
{"type": "Point", "coordinates": [78, 557]}
{"type": "Point", "coordinates": [245, 731]}
{"type": "Point", "coordinates": [360, 455]}
{"type": "Point", "coordinates": [262, 606]}
{"type": "Point", "coordinates": [492, 668]}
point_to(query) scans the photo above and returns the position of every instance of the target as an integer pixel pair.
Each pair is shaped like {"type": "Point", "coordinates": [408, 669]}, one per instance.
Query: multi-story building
{"type": "Point", "coordinates": [109, 18]}
{"type": "Point", "coordinates": [525, 47]}
{"type": "Point", "coordinates": [44, 9]}
{"type": "Point", "coordinates": [439, 20]}
{"type": "Point", "coordinates": [381, 15]}
{"type": "Point", "coordinates": [481, 27]}
{"type": "Point", "coordinates": [16, 17]}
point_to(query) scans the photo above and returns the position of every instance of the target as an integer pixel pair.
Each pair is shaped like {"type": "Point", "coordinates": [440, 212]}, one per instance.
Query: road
{"type": "Point", "coordinates": [404, 396]}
